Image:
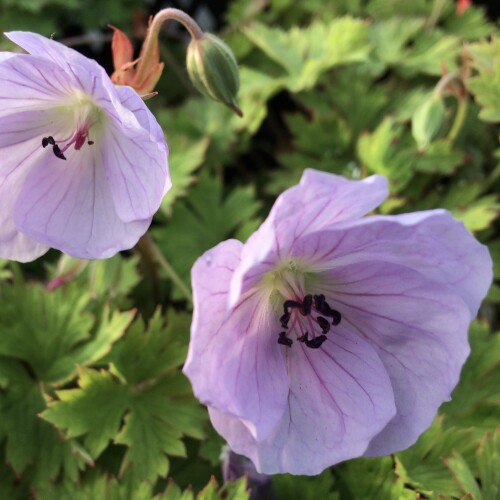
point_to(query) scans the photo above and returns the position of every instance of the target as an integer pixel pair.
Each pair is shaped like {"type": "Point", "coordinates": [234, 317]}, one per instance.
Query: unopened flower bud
{"type": "Point", "coordinates": [213, 70]}
{"type": "Point", "coordinates": [427, 120]}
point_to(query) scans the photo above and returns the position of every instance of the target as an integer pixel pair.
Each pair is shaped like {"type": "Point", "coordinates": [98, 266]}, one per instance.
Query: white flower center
{"type": "Point", "coordinates": [305, 317]}
{"type": "Point", "coordinates": [82, 115]}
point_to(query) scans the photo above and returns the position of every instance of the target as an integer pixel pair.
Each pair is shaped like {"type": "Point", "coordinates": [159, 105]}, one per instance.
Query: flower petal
{"type": "Point", "coordinates": [431, 242]}
{"type": "Point", "coordinates": [67, 205]}
{"type": "Point", "coordinates": [14, 168]}
{"type": "Point", "coordinates": [27, 83]}
{"type": "Point", "coordinates": [25, 125]}
{"type": "Point", "coordinates": [322, 199]}
{"type": "Point", "coordinates": [419, 329]}
{"type": "Point", "coordinates": [136, 161]}
{"type": "Point", "coordinates": [340, 398]}
{"type": "Point", "coordinates": [48, 49]}
{"type": "Point", "coordinates": [52, 65]}
{"type": "Point", "coordinates": [235, 362]}
{"type": "Point", "coordinates": [133, 102]}
{"type": "Point", "coordinates": [318, 202]}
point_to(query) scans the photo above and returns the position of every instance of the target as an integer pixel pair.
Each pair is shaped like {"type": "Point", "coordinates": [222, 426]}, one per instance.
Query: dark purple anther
{"type": "Point", "coordinates": [90, 143]}
{"type": "Point", "coordinates": [331, 313]}
{"type": "Point", "coordinates": [288, 304]}
{"type": "Point", "coordinates": [306, 305]}
{"type": "Point", "coordinates": [284, 340]}
{"type": "Point", "coordinates": [316, 342]}
{"type": "Point", "coordinates": [336, 317]}
{"type": "Point", "coordinates": [319, 300]}
{"type": "Point", "coordinates": [284, 320]}
{"type": "Point", "coordinates": [58, 152]}
{"type": "Point", "coordinates": [303, 338]}
{"type": "Point", "coordinates": [324, 308]}
{"type": "Point", "coordinates": [323, 323]}
{"type": "Point", "coordinates": [48, 140]}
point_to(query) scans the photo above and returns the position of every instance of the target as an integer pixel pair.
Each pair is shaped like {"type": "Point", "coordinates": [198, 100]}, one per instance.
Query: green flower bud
{"type": "Point", "coordinates": [427, 120]}
{"type": "Point", "coordinates": [213, 70]}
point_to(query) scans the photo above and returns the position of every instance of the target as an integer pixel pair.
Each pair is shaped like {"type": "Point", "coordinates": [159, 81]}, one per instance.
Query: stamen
{"type": "Point", "coordinates": [310, 306]}
{"type": "Point", "coordinates": [313, 343]}
{"type": "Point", "coordinates": [285, 319]}
{"type": "Point", "coordinates": [323, 323]}
{"type": "Point", "coordinates": [48, 140]}
{"type": "Point", "coordinates": [284, 340]}
{"type": "Point", "coordinates": [306, 305]}
{"type": "Point", "coordinates": [303, 338]}
{"type": "Point", "coordinates": [58, 152]}
{"type": "Point", "coordinates": [319, 300]}
{"type": "Point", "coordinates": [288, 304]}
{"type": "Point", "coordinates": [316, 342]}
{"type": "Point", "coordinates": [324, 308]}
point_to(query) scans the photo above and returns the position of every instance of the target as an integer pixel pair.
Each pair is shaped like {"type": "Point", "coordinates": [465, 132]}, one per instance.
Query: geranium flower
{"type": "Point", "coordinates": [328, 336]}
{"type": "Point", "coordinates": [83, 164]}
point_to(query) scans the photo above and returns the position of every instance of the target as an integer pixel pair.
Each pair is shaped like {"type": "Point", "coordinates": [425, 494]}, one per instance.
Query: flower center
{"type": "Point", "coordinates": [308, 319]}
{"type": "Point", "coordinates": [84, 115]}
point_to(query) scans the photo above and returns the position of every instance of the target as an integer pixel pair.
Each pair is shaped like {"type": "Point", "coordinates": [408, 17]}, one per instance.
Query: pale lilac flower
{"type": "Point", "coordinates": [83, 164]}
{"type": "Point", "coordinates": [370, 344]}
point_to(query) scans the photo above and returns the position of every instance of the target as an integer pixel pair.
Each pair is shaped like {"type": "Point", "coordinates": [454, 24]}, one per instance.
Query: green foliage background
{"type": "Point", "coordinates": [92, 400]}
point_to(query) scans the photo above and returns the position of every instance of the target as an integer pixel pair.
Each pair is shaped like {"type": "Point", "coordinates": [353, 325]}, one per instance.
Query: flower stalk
{"type": "Point", "coordinates": [460, 94]}
{"type": "Point", "coordinates": [148, 246]}
{"type": "Point", "coordinates": [150, 45]}
{"type": "Point", "coordinates": [211, 65]}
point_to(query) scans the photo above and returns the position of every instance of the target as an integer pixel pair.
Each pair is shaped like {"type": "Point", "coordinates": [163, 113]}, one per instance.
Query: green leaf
{"type": "Point", "coordinates": [110, 328]}
{"type": "Point", "coordinates": [9, 486]}
{"type": "Point", "coordinates": [287, 486]}
{"type": "Point", "coordinates": [372, 478]}
{"type": "Point", "coordinates": [185, 157]}
{"type": "Point", "coordinates": [344, 40]}
{"type": "Point", "coordinates": [476, 400]}
{"type": "Point", "coordinates": [422, 464]}
{"type": "Point", "coordinates": [486, 90]}
{"type": "Point", "coordinates": [321, 138]}
{"type": "Point", "coordinates": [488, 461]}
{"type": "Point", "coordinates": [33, 447]}
{"type": "Point", "coordinates": [197, 121]}
{"type": "Point", "coordinates": [486, 85]}
{"type": "Point", "coordinates": [381, 153]}
{"type": "Point", "coordinates": [439, 158]}
{"type": "Point", "coordinates": [232, 490]}
{"type": "Point", "coordinates": [173, 492]}
{"type": "Point", "coordinates": [390, 38]}
{"type": "Point", "coordinates": [383, 9]}
{"type": "Point", "coordinates": [94, 410]}
{"type": "Point", "coordinates": [145, 355]}
{"type": "Point", "coordinates": [97, 485]}
{"type": "Point", "coordinates": [211, 447]}
{"type": "Point", "coordinates": [485, 54]}
{"type": "Point", "coordinates": [429, 53]}
{"type": "Point", "coordinates": [204, 220]}
{"type": "Point", "coordinates": [480, 214]}
{"type": "Point", "coordinates": [360, 102]}
{"type": "Point", "coordinates": [494, 248]}
{"type": "Point", "coordinates": [52, 332]}
{"type": "Point", "coordinates": [256, 88]}
{"type": "Point", "coordinates": [493, 294]}
{"type": "Point", "coordinates": [148, 406]}
{"type": "Point", "coordinates": [463, 476]}
{"type": "Point", "coordinates": [471, 24]}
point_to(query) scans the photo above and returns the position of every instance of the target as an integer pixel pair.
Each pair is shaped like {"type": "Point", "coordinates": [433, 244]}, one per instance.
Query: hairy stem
{"type": "Point", "coordinates": [148, 47]}
{"type": "Point", "coordinates": [155, 252]}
